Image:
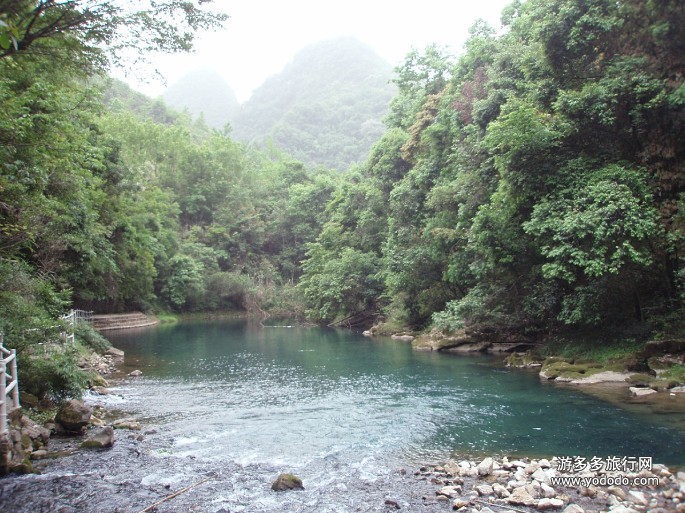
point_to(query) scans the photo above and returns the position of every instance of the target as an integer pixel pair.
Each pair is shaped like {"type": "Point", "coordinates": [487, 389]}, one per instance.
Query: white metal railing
{"type": "Point", "coordinates": [73, 318]}
{"type": "Point", "coordinates": [7, 357]}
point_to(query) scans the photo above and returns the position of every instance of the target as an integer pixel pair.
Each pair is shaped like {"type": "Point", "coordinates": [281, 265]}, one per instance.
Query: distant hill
{"type": "Point", "coordinates": [204, 92]}
{"type": "Point", "coordinates": [325, 107]}
{"type": "Point", "coordinates": [119, 95]}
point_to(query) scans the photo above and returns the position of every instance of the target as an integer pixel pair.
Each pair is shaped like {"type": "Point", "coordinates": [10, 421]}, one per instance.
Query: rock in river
{"type": "Point", "coordinates": [74, 416]}
{"type": "Point", "coordinates": [287, 482]}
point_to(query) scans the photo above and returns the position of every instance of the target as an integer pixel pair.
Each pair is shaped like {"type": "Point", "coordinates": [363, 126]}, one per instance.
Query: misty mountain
{"type": "Point", "coordinates": [325, 107]}
{"type": "Point", "coordinates": [204, 92]}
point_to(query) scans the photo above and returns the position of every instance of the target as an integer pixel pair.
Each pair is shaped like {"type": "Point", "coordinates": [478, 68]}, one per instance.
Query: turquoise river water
{"type": "Point", "coordinates": [228, 405]}
{"type": "Point", "coordinates": [291, 395]}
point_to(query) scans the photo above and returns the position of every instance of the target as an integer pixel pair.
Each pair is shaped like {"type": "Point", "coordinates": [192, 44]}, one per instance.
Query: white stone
{"type": "Point", "coordinates": [484, 489]}
{"type": "Point", "coordinates": [637, 497]}
{"type": "Point", "coordinates": [573, 508]}
{"type": "Point", "coordinates": [639, 391]}
{"type": "Point", "coordinates": [618, 492]}
{"type": "Point", "coordinates": [485, 467]}
{"type": "Point", "coordinates": [540, 475]}
{"type": "Point", "coordinates": [500, 491]}
{"type": "Point", "coordinates": [622, 509]}
{"type": "Point", "coordinates": [530, 469]}
{"type": "Point", "coordinates": [547, 491]}
{"type": "Point", "coordinates": [459, 503]}
{"type": "Point", "coordinates": [544, 463]}
{"type": "Point", "coordinates": [545, 504]}
{"type": "Point", "coordinates": [521, 497]}
{"type": "Point", "coordinates": [450, 491]}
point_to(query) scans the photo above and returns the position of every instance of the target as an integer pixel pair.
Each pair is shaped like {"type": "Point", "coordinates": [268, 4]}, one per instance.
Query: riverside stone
{"type": "Point", "coordinates": [99, 439]}
{"type": "Point", "coordinates": [547, 491]}
{"type": "Point", "coordinates": [135, 373]}
{"type": "Point", "coordinates": [521, 497]}
{"type": "Point", "coordinates": [573, 508]}
{"type": "Point", "coordinates": [286, 482]}
{"type": "Point", "coordinates": [450, 491]}
{"type": "Point", "coordinates": [545, 504]}
{"type": "Point", "coordinates": [618, 492]}
{"type": "Point", "coordinates": [640, 391]}
{"type": "Point", "coordinates": [484, 489]}
{"type": "Point", "coordinates": [486, 467]}
{"type": "Point", "coordinates": [500, 491]}
{"type": "Point", "coordinates": [459, 503]}
{"type": "Point", "coordinates": [74, 416]}
{"type": "Point", "coordinates": [637, 497]}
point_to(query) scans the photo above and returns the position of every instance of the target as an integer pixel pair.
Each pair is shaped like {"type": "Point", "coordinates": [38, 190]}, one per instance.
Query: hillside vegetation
{"type": "Point", "coordinates": [325, 108]}
{"type": "Point", "coordinates": [533, 184]}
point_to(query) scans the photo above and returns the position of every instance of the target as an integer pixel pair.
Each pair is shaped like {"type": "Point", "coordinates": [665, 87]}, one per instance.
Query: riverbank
{"type": "Point", "coordinates": [649, 371]}
{"type": "Point", "coordinates": [344, 414]}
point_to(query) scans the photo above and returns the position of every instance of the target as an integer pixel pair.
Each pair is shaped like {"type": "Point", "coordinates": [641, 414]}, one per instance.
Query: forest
{"type": "Point", "coordinates": [531, 184]}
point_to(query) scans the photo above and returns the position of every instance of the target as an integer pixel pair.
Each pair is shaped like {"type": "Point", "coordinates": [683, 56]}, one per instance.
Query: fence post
{"type": "Point", "coordinates": [3, 392]}
{"type": "Point", "coordinates": [7, 356]}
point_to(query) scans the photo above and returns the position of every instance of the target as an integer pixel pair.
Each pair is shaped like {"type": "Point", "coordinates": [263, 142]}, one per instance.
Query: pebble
{"type": "Point", "coordinates": [528, 485]}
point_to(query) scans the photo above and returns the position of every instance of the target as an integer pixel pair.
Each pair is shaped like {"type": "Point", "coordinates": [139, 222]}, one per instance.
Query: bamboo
{"type": "Point", "coordinates": [173, 495]}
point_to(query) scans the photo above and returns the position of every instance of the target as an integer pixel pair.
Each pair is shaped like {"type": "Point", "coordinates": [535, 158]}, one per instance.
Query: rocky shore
{"type": "Point", "coordinates": [510, 486]}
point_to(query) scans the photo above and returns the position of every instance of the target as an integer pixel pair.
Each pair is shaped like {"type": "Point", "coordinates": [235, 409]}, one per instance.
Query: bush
{"type": "Point", "coordinates": [90, 337]}
{"type": "Point", "coordinates": [57, 377]}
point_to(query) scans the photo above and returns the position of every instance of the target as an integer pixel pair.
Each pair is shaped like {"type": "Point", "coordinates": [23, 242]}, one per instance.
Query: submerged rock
{"type": "Point", "coordinates": [286, 482]}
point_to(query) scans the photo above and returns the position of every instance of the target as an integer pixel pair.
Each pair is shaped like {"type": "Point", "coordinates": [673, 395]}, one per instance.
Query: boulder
{"type": "Point", "coordinates": [286, 482]}
{"type": "Point", "coordinates": [135, 373]}
{"type": "Point", "coordinates": [486, 466]}
{"type": "Point", "coordinates": [640, 391]}
{"type": "Point", "coordinates": [74, 416]}
{"type": "Point", "coordinates": [521, 497]}
{"type": "Point", "coordinates": [99, 439]}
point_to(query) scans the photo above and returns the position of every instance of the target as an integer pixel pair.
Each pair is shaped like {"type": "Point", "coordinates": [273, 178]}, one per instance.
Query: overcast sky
{"type": "Point", "coordinates": [262, 36]}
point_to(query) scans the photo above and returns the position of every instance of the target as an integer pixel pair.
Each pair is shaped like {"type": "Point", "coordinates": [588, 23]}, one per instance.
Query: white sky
{"type": "Point", "coordinates": [262, 36]}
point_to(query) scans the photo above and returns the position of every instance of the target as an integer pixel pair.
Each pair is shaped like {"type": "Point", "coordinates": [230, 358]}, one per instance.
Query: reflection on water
{"type": "Point", "coordinates": [318, 399]}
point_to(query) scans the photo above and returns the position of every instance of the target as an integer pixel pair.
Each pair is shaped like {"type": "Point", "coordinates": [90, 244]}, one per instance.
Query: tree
{"type": "Point", "coordinates": [96, 34]}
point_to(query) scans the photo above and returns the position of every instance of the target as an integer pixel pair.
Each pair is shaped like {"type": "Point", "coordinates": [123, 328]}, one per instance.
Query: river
{"type": "Point", "coordinates": [240, 403]}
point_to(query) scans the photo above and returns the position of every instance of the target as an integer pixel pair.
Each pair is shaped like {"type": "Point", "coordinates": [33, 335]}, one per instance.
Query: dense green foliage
{"type": "Point", "coordinates": [533, 184]}
{"type": "Point", "coordinates": [111, 201]}
{"type": "Point", "coordinates": [536, 183]}
{"type": "Point", "coordinates": [325, 108]}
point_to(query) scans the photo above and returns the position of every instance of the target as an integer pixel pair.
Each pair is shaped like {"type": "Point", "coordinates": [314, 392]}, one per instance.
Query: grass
{"type": "Point", "coordinates": [596, 350]}
{"type": "Point", "coordinates": [674, 373]}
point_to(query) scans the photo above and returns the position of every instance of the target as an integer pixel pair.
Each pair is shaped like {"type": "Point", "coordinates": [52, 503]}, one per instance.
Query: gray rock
{"type": "Point", "coordinates": [101, 390]}
{"type": "Point", "coordinates": [74, 416]}
{"type": "Point", "coordinates": [521, 497]}
{"type": "Point", "coordinates": [450, 491]}
{"type": "Point", "coordinates": [135, 373]}
{"type": "Point", "coordinates": [618, 492]}
{"type": "Point", "coordinates": [286, 482]}
{"type": "Point", "coordinates": [637, 498]}
{"type": "Point", "coordinates": [546, 504]}
{"type": "Point", "coordinates": [573, 508]}
{"type": "Point", "coordinates": [403, 338]}
{"type": "Point", "coordinates": [99, 439]}
{"type": "Point", "coordinates": [639, 391]}
{"type": "Point", "coordinates": [459, 503]}
{"type": "Point", "coordinates": [622, 509]}
{"type": "Point", "coordinates": [486, 467]}
{"type": "Point", "coordinates": [500, 491]}
{"type": "Point", "coordinates": [547, 491]}
{"type": "Point", "coordinates": [484, 489]}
